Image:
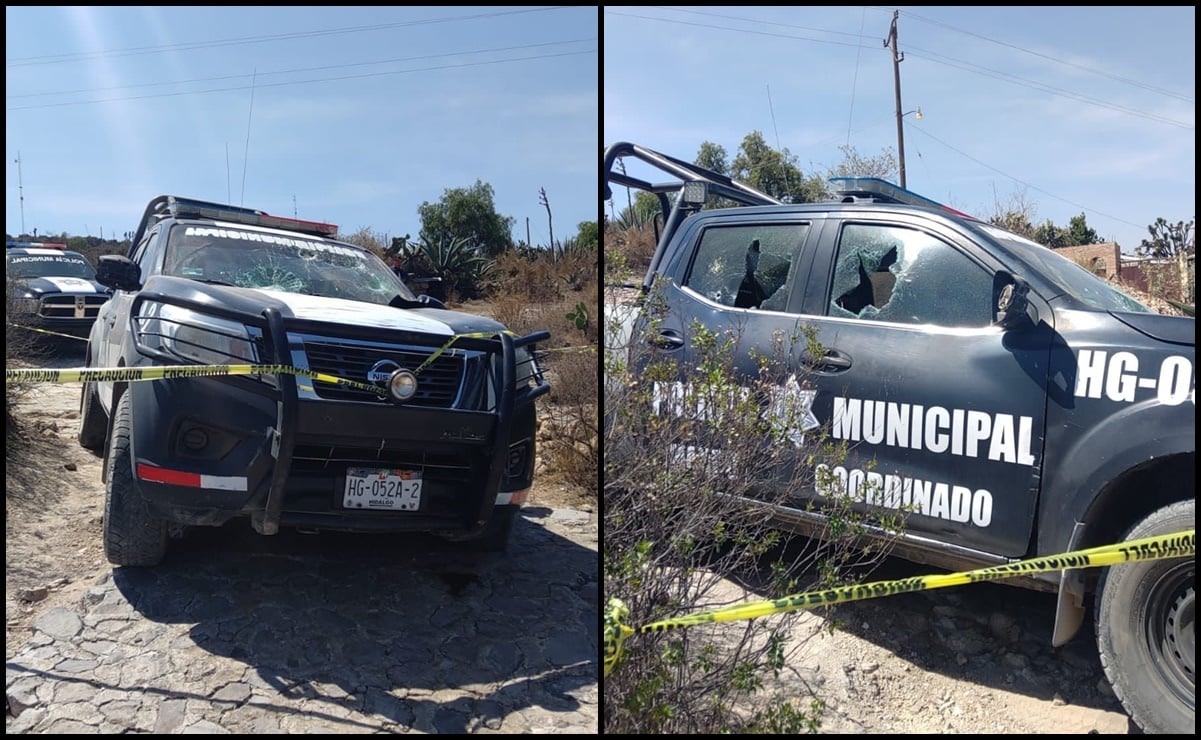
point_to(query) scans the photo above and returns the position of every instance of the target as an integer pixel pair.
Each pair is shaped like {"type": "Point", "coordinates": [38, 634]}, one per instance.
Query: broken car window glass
{"type": "Point", "coordinates": [890, 273]}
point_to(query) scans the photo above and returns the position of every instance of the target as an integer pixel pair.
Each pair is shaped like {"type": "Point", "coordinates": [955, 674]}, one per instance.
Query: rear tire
{"type": "Point", "coordinates": [1146, 621]}
{"type": "Point", "coordinates": [131, 536]}
{"type": "Point", "coordinates": [93, 425]}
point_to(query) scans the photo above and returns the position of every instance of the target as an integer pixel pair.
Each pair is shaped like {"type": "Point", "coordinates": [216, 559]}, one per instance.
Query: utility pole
{"type": "Point", "coordinates": [21, 191]}
{"type": "Point", "coordinates": [891, 41]}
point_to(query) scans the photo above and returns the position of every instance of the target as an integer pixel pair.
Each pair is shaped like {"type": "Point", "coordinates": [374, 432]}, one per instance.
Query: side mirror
{"type": "Point", "coordinates": [1013, 307]}
{"type": "Point", "coordinates": [430, 301]}
{"type": "Point", "coordinates": [118, 272]}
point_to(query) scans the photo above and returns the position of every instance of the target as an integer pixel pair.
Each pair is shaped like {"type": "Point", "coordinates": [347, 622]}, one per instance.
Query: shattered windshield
{"type": "Point", "coordinates": [1071, 277]}
{"type": "Point", "coordinates": [252, 258]}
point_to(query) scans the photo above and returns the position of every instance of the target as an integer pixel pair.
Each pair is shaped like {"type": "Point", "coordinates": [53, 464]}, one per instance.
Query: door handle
{"type": "Point", "coordinates": [832, 362]}
{"type": "Point", "coordinates": [667, 339]}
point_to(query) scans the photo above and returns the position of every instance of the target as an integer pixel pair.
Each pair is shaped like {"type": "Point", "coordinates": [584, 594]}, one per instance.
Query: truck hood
{"type": "Point", "coordinates": [1174, 329]}
{"type": "Point", "coordinates": [252, 301]}
{"type": "Point", "coordinates": [40, 286]}
{"type": "Point", "coordinates": [437, 321]}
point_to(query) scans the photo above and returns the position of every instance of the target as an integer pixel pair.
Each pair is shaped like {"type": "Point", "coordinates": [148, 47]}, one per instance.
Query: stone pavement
{"type": "Point", "coordinates": [329, 634]}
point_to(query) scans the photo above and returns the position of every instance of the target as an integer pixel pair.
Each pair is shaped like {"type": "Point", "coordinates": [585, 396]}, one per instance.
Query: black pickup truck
{"type": "Point", "coordinates": [369, 409]}
{"type": "Point", "coordinates": [1013, 403]}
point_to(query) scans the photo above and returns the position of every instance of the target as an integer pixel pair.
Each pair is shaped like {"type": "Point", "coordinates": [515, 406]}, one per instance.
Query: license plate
{"type": "Point", "coordinates": [383, 490]}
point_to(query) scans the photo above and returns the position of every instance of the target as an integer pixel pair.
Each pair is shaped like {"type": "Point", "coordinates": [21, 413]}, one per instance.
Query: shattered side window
{"type": "Point", "coordinates": [891, 273]}
{"type": "Point", "coordinates": [747, 266]}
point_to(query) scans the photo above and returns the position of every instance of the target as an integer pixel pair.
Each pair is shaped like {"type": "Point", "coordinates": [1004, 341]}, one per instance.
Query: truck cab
{"type": "Point", "coordinates": [1007, 401]}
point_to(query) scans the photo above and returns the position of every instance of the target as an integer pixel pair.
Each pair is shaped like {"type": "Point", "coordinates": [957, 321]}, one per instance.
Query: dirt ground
{"type": "Point", "coordinates": [54, 500]}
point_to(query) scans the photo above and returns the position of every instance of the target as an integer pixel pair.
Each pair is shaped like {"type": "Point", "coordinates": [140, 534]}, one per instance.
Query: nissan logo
{"type": "Point", "coordinates": [381, 371]}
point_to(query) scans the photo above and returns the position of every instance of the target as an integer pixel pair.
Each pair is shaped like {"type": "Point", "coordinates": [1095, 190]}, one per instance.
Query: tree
{"type": "Point", "coordinates": [1168, 240]}
{"type": "Point", "coordinates": [774, 172]}
{"type": "Point", "coordinates": [712, 157]}
{"type": "Point", "coordinates": [368, 239]}
{"type": "Point", "coordinates": [467, 214]}
{"type": "Point", "coordinates": [1017, 215]}
{"type": "Point", "coordinates": [854, 164]}
{"type": "Point", "coordinates": [1079, 232]}
{"type": "Point", "coordinates": [587, 235]}
{"type": "Point", "coordinates": [1050, 235]}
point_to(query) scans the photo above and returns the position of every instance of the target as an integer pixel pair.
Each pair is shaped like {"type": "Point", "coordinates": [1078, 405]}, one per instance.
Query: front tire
{"type": "Point", "coordinates": [1146, 621]}
{"type": "Point", "coordinates": [131, 536]}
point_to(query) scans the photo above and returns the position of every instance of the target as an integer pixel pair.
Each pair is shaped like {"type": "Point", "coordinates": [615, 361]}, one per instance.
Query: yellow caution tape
{"type": "Point", "coordinates": [580, 348]}
{"type": "Point", "coordinates": [47, 331]}
{"type": "Point", "coordinates": [443, 348]}
{"type": "Point", "coordinates": [167, 372]}
{"type": "Point", "coordinates": [1176, 545]}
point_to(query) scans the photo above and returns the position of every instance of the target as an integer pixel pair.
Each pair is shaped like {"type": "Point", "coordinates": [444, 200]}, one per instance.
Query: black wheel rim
{"type": "Point", "coordinates": [1171, 630]}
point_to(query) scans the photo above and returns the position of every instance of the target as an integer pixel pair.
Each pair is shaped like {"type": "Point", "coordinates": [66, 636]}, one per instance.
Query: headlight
{"type": "Point", "coordinates": [528, 371]}
{"type": "Point", "coordinates": [26, 306]}
{"type": "Point", "coordinates": [194, 336]}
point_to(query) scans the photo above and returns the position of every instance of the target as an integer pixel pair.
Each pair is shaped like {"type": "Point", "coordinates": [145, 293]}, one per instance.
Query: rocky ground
{"type": "Point", "coordinates": [94, 649]}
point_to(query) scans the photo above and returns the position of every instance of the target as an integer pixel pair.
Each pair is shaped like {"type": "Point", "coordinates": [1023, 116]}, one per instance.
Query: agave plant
{"type": "Point", "coordinates": [457, 261]}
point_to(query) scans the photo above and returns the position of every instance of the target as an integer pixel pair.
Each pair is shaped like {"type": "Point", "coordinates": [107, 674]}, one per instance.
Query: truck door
{"type": "Point", "coordinates": [943, 413]}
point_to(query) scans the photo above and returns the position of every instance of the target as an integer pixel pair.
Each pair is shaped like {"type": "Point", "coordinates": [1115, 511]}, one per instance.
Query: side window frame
{"type": "Point", "coordinates": [821, 288]}
{"type": "Point", "coordinates": [798, 265]}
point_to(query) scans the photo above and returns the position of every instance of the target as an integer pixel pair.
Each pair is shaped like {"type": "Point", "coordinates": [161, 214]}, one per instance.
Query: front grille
{"type": "Point", "coordinates": [438, 384]}
{"type": "Point", "coordinates": [335, 459]}
{"type": "Point", "coordinates": [72, 307]}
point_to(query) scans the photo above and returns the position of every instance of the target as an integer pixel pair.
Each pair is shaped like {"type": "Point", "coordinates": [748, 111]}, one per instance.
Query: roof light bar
{"type": "Point", "coordinates": [34, 245]}
{"type": "Point", "coordinates": [874, 187]}
{"type": "Point", "coordinates": [184, 207]}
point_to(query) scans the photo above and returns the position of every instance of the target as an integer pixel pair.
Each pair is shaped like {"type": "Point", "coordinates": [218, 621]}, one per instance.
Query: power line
{"type": "Point", "coordinates": [958, 64]}
{"type": "Point", "coordinates": [609, 11]}
{"type": "Point", "coordinates": [300, 82]}
{"type": "Point", "coordinates": [857, 37]}
{"type": "Point", "coordinates": [1091, 70]}
{"type": "Point", "coordinates": [298, 69]}
{"type": "Point", "coordinates": [1023, 182]}
{"type": "Point", "coordinates": [84, 56]}
{"type": "Point", "coordinates": [1043, 87]}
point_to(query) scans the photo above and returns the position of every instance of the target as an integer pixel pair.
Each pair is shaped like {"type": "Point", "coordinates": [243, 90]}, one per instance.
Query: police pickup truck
{"type": "Point", "coordinates": [54, 290]}
{"type": "Point", "coordinates": [1012, 403]}
{"type": "Point", "coordinates": [264, 371]}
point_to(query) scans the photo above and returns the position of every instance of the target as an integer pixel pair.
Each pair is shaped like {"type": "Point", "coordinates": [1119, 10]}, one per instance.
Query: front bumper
{"type": "Point", "coordinates": [208, 450]}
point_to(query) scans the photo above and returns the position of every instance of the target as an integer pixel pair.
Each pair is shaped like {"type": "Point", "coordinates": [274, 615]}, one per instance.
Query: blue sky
{"type": "Point", "coordinates": [352, 115]}
{"type": "Point", "coordinates": [1071, 110]}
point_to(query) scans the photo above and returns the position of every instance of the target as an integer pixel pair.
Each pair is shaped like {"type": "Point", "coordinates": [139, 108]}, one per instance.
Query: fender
{"type": "Point", "coordinates": [1131, 436]}
{"type": "Point", "coordinates": [1157, 432]}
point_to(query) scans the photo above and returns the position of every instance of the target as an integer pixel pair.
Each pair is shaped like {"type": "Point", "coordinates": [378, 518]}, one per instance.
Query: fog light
{"type": "Point", "coordinates": [195, 439]}
{"type": "Point", "coordinates": [516, 463]}
{"type": "Point", "coordinates": [402, 385]}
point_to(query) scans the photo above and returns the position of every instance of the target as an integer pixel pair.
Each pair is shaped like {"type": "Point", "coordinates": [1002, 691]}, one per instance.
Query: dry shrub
{"type": "Point", "coordinates": [570, 440]}
{"type": "Point", "coordinates": [687, 447]}
{"type": "Point", "coordinates": [559, 294]}
{"type": "Point", "coordinates": [22, 348]}
{"type": "Point", "coordinates": [635, 246]}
